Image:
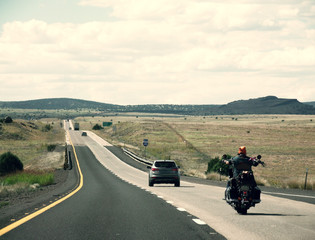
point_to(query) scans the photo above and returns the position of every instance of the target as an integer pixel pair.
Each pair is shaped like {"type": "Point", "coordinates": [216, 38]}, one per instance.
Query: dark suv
{"type": "Point", "coordinates": [164, 171]}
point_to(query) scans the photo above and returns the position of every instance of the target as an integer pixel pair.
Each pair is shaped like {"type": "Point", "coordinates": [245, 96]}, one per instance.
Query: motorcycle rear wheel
{"type": "Point", "coordinates": [242, 211]}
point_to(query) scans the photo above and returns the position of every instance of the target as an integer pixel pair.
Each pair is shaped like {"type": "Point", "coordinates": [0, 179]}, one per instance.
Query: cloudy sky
{"type": "Point", "coordinates": [157, 51]}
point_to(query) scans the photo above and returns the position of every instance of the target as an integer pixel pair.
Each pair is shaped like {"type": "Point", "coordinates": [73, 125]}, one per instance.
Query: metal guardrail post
{"type": "Point", "coordinates": [305, 184]}
{"type": "Point", "coordinates": [70, 161]}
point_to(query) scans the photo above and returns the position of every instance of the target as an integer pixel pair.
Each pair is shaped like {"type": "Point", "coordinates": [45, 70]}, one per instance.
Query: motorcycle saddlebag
{"type": "Point", "coordinates": [232, 193]}
{"type": "Point", "coordinates": [256, 193]}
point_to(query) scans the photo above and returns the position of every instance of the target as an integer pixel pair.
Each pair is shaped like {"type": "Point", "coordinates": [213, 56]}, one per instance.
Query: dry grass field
{"type": "Point", "coordinates": [29, 140]}
{"type": "Point", "coordinates": [40, 147]}
{"type": "Point", "coordinates": [286, 142]}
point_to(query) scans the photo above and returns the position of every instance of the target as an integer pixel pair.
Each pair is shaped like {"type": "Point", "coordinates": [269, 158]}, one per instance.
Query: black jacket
{"type": "Point", "coordinates": [241, 163]}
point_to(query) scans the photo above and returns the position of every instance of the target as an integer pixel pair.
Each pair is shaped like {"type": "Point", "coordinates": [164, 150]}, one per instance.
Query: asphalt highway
{"type": "Point", "coordinates": [115, 202]}
{"type": "Point", "coordinates": [107, 207]}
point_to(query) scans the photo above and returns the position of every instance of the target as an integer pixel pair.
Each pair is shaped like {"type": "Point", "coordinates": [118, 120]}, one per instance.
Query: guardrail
{"type": "Point", "coordinates": [134, 156]}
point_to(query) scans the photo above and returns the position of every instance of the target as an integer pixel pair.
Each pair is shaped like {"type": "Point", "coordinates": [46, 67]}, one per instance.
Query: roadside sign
{"type": "Point", "coordinates": [145, 142]}
{"type": "Point", "coordinates": [106, 124]}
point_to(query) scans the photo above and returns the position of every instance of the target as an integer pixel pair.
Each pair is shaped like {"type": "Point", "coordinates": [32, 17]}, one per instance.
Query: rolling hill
{"type": "Point", "coordinates": [263, 105]}
{"type": "Point", "coordinates": [310, 103]}
{"type": "Point", "coordinates": [56, 103]}
{"type": "Point", "coordinates": [267, 105]}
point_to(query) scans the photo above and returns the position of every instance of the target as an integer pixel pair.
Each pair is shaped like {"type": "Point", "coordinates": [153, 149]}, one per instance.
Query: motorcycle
{"type": "Point", "coordinates": [242, 191]}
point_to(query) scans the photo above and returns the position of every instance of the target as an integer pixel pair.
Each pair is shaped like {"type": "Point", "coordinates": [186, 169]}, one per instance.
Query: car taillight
{"type": "Point", "coordinates": [154, 169]}
{"type": "Point", "coordinates": [175, 169]}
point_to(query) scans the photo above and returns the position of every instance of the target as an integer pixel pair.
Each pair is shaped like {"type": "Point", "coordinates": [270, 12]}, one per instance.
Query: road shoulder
{"type": "Point", "coordinates": [20, 205]}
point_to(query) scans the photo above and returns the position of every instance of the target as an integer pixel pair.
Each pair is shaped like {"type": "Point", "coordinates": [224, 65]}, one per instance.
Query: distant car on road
{"type": "Point", "coordinates": [84, 134]}
{"type": "Point", "coordinates": [164, 171]}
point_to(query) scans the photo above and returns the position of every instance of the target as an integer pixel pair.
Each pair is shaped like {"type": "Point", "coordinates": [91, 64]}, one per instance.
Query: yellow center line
{"type": "Point", "coordinates": [35, 214]}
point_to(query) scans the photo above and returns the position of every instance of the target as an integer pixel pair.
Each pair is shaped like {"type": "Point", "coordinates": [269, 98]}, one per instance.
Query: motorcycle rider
{"type": "Point", "coordinates": [240, 163]}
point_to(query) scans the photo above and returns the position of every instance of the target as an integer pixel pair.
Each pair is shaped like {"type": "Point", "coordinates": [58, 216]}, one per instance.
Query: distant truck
{"type": "Point", "coordinates": [76, 126]}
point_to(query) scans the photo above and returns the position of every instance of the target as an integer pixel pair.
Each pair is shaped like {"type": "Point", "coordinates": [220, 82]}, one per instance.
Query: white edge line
{"type": "Point", "coordinates": [286, 194]}
{"type": "Point", "coordinates": [198, 221]}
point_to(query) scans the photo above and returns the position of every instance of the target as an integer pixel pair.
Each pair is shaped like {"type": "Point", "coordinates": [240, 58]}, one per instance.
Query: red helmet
{"type": "Point", "coordinates": [242, 150]}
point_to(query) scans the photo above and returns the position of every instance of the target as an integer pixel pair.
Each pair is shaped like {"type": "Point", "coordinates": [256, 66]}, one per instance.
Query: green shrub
{"type": "Point", "coordinates": [4, 203]}
{"type": "Point", "coordinates": [47, 128]}
{"type": "Point", "coordinates": [97, 127]}
{"type": "Point", "coordinates": [9, 163]}
{"type": "Point", "coordinates": [8, 119]}
{"type": "Point", "coordinates": [215, 164]}
{"type": "Point", "coordinates": [51, 147]}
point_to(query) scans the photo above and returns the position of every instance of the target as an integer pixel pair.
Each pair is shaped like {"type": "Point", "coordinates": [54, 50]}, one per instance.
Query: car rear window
{"type": "Point", "coordinates": [165, 164]}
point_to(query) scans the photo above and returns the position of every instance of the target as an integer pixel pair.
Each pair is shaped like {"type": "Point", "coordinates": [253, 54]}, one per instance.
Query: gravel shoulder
{"type": "Point", "coordinates": [24, 203]}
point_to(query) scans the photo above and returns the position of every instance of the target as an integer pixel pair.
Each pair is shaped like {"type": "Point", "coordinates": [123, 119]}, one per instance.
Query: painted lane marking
{"type": "Point", "coordinates": [35, 214]}
{"type": "Point", "coordinates": [198, 221]}
{"type": "Point", "coordinates": [287, 194]}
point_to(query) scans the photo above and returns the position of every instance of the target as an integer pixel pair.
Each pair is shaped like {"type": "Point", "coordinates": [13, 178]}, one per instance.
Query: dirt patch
{"type": "Point", "coordinates": [48, 160]}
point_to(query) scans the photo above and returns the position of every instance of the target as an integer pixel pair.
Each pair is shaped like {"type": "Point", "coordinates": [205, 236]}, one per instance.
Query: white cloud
{"type": "Point", "coordinates": [186, 52]}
